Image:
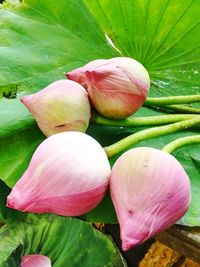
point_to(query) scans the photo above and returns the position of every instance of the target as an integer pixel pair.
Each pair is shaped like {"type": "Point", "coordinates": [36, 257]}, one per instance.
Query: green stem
{"type": "Point", "coordinates": [135, 138]}
{"type": "Point", "coordinates": [184, 141]}
{"type": "Point", "coordinates": [183, 108]}
{"type": "Point", "coordinates": [170, 100]}
{"type": "Point", "coordinates": [142, 121]}
{"type": "Point", "coordinates": [179, 108]}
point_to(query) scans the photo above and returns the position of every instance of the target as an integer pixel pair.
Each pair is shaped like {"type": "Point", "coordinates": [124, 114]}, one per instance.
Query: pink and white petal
{"type": "Point", "coordinates": [35, 260]}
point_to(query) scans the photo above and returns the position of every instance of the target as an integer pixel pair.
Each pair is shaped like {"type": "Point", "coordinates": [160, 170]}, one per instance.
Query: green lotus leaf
{"type": "Point", "coordinates": [66, 241]}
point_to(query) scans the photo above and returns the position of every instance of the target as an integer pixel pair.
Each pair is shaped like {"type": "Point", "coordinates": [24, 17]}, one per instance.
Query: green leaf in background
{"type": "Point", "coordinates": [66, 241]}
{"type": "Point", "coordinates": [164, 35]}
{"type": "Point", "coordinates": [44, 39]}
{"type": "Point", "coordinates": [16, 151]}
{"type": "Point", "coordinates": [40, 40]}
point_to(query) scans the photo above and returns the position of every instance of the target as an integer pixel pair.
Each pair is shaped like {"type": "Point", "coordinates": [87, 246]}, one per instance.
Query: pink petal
{"type": "Point", "coordinates": [61, 106]}
{"type": "Point", "coordinates": [68, 175]}
{"type": "Point", "coordinates": [117, 87]}
{"type": "Point", "coordinates": [78, 75]}
{"type": "Point", "coordinates": [35, 261]}
{"type": "Point", "coordinates": [150, 191]}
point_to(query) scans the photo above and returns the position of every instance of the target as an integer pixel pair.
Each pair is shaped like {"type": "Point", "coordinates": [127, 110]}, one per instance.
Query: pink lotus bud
{"type": "Point", "coordinates": [150, 191]}
{"type": "Point", "coordinates": [61, 106]}
{"type": "Point", "coordinates": [68, 175]}
{"type": "Point", "coordinates": [78, 75]}
{"type": "Point", "coordinates": [117, 87]}
{"type": "Point", "coordinates": [35, 261]}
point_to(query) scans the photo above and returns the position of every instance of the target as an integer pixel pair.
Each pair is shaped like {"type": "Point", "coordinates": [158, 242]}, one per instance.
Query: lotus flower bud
{"type": "Point", "coordinates": [68, 175]}
{"type": "Point", "coordinates": [117, 87]}
{"type": "Point", "coordinates": [61, 106]}
{"type": "Point", "coordinates": [78, 75]}
{"type": "Point", "coordinates": [35, 261]}
{"type": "Point", "coordinates": [150, 191]}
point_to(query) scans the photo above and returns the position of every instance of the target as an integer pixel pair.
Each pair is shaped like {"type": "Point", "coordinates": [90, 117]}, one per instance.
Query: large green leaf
{"type": "Point", "coordinates": [66, 241]}
{"type": "Point", "coordinates": [162, 34]}
{"type": "Point", "coordinates": [165, 37]}
{"type": "Point", "coordinates": [44, 39]}
{"type": "Point", "coordinates": [40, 40]}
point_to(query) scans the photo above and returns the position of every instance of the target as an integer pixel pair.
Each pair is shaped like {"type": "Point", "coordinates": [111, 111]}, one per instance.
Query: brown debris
{"type": "Point", "coordinates": [160, 255]}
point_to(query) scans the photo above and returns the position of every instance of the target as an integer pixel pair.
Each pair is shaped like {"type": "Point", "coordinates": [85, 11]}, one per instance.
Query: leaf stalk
{"type": "Point", "coordinates": [180, 142]}
{"type": "Point", "coordinates": [135, 138]}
